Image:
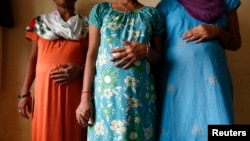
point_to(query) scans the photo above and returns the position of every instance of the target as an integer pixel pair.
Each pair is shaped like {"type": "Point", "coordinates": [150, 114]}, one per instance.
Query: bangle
{"type": "Point", "coordinates": [24, 95]}
{"type": "Point", "coordinates": [86, 92]}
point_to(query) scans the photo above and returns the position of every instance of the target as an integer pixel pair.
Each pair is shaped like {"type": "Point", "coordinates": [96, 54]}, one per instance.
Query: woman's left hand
{"type": "Point", "coordinates": [129, 53]}
{"type": "Point", "coordinates": [66, 73]}
{"type": "Point", "coordinates": [201, 33]}
{"type": "Point", "coordinates": [84, 112]}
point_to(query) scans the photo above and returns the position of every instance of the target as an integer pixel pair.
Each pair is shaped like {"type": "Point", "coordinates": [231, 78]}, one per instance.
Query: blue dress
{"type": "Point", "coordinates": [195, 84]}
{"type": "Point", "coordinates": [124, 99]}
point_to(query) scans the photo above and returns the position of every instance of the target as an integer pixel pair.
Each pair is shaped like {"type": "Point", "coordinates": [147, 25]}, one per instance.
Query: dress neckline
{"type": "Point", "coordinates": [119, 11]}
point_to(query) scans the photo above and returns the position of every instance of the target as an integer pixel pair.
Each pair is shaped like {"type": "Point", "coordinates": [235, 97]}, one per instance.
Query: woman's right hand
{"type": "Point", "coordinates": [84, 112]}
{"type": "Point", "coordinates": [66, 73]}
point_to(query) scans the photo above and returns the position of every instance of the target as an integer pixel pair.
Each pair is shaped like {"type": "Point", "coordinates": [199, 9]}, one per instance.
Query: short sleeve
{"type": "Point", "coordinates": [30, 31]}
{"type": "Point", "coordinates": [231, 5]}
{"type": "Point", "coordinates": [31, 36]}
{"type": "Point", "coordinates": [158, 27]}
{"type": "Point", "coordinates": [95, 17]}
{"type": "Point", "coordinates": [161, 7]}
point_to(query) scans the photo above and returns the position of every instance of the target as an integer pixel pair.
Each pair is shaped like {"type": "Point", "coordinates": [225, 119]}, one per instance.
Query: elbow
{"type": "Point", "coordinates": [235, 48]}
{"type": "Point", "coordinates": [236, 45]}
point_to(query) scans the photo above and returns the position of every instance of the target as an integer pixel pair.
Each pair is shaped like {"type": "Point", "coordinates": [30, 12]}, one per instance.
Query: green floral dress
{"type": "Point", "coordinates": [124, 99]}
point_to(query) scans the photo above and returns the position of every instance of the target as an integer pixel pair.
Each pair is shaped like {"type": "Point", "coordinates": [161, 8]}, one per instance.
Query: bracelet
{"type": "Point", "coordinates": [24, 95]}
{"type": "Point", "coordinates": [86, 92]}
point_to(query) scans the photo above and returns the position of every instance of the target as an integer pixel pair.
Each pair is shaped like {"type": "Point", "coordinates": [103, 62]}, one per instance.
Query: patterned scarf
{"type": "Point", "coordinates": [205, 10]}
{"type": "Point", "coordinates": [51, 26]}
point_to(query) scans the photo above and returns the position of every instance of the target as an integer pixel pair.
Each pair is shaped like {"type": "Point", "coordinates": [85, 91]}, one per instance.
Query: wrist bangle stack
{"type": "Point", "coordinates": [24, 95]}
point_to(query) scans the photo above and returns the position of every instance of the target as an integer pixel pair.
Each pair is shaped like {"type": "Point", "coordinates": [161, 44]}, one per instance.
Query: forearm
{"type": "Point", "coordinates": [154, 53]}
{"type": "Point", "coordinates": [90, 66]}
{"type": "Point", "coordinates": [89, 73]}
{"type": "Point", "coordinates": [88, 79]}
{"type": "Point", "coordinates": [152, 56]}
{"type": "Point", "coordinates": [29, 77]}
{"type": "Point", "coordinates": [228, 40]}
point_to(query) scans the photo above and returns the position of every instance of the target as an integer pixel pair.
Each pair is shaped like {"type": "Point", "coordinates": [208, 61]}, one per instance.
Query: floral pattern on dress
{"type": "Point", "coordinates": [124, 99]}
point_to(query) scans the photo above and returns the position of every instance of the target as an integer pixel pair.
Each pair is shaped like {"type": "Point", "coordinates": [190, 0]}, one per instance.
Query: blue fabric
{"type": "Point", "coordinates": [125, 107]}
{"type": "Point", "coordinates": [195, 84]}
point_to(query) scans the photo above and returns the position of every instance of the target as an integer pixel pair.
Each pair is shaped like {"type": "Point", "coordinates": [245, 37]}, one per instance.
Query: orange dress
{"type": "Point", "coordinates": [54, 117]}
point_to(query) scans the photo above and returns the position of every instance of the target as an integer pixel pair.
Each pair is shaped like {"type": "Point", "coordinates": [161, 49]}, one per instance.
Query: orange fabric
{"type": "Point", "coordinates": [55, 105]}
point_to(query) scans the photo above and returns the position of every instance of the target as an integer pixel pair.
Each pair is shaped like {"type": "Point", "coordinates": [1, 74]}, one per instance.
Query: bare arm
{"type": "Point", "coordinates": [25, 103]}
{"type": "Point", "coordinates": [154, 53]}
{"type": "Point", "coordinates": [94, 40]}
{"type": "Point", "coordinates": [229, 38]}
{"type": "Point", "coordinates": [84, 112]}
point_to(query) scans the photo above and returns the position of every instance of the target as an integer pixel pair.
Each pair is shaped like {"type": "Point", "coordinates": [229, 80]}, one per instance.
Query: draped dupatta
{"type": "Point", "coordinates": [51, 26]}
{"type": "Point", "coordinates": [204, 10]}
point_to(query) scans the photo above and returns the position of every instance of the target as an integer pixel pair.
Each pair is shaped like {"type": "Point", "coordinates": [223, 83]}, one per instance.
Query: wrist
{"type": "Point", "coordinates": [87, 95]}
{"type": "Point", "coordinates": [24, 95]}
